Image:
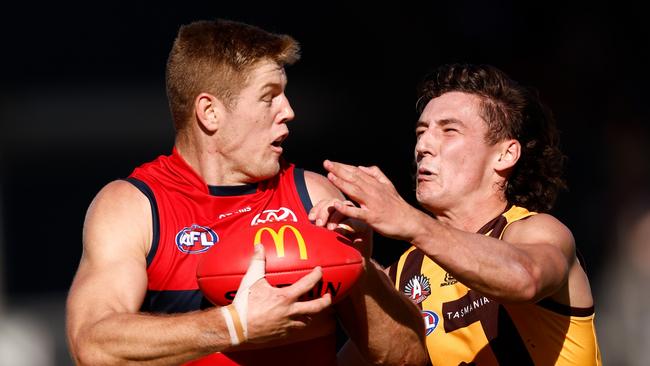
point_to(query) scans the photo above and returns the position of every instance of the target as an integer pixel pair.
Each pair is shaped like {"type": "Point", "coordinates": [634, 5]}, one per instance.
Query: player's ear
{"type": "Point", "coordinates": [209, 111]}
{"type": "Point", "coordinates": [508, 154]}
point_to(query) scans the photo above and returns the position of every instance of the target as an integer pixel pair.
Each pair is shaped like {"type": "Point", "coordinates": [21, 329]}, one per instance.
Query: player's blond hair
{"type": "Point", "coordinates": [216, 57]}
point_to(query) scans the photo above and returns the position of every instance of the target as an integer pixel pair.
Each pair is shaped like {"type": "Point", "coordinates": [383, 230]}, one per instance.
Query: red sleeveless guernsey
{"type": "Point", "coordinates": [190, 217]}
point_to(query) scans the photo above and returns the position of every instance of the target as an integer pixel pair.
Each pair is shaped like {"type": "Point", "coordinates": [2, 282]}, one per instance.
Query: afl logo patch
{"type": "Point", "coordinates": [196, 239]}
{"type": "Point", "coordinates": [431, 320]}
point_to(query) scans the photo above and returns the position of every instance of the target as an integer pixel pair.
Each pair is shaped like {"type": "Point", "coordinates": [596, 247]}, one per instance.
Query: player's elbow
{"type": "Point", "coordinates": [82, 357]}
{"type": "Point", "coordinates": [526, 285]}
{"type": "Point", "coordinates": [81, 353]}
{"type": "Point", "coordinates": [85, 352]}
{"type": "Point", "coordinates": [75, 346]}
{"type": "Point", "coordinates": [93, 357]}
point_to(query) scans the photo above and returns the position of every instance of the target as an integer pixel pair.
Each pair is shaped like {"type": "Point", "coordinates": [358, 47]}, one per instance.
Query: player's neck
{"type": "Point", "coordinates": [207, 162]}
{"type": "Point", "coordinates": [472, 216]}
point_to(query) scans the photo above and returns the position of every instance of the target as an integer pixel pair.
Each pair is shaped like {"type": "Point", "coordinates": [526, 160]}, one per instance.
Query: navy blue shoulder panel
{"type": "Point", "coordinates": [144, 188]}
{"type": "Point", "coordinates": [174, 301]}
{"type": "Point", "coordinates": [301, 187]}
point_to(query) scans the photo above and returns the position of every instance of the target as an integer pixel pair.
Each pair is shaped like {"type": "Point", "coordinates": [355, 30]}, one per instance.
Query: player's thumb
{"type": "Point", "coordinates": [258, 254]}
{"type": "Point", "coordinates": [254, 273]}
{"type": "Point", "coordinates": [256, 267]}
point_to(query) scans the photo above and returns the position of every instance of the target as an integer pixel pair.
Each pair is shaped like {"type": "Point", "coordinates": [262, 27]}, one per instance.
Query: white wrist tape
{"type": "Point", "coordinates": [233, 322]}
{"type": "Point", "coordinates": [236, 314]}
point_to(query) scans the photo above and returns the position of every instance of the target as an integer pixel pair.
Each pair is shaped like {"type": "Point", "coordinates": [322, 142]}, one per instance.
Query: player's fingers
{"type": "Point", "coordinates": [312, 306]}
{"type": "Point", "coordinates": [375, 172]}
{"type": "Point", "coordinates": [352, 227]}
{"type": "Point", "coordinates": [345, 172]}
{"type": "Point", "coordinates": [336, 166]}
{"type": "Point", "coordinates": [335, 218]}
{"type": "Point", "coordinates": [304, 284]}
{"type": "Point", "coordinates": [351, 189]}
{"type": "Point", "coordinates": [321, 212]}
{"type": "Point", "coordinates": [350, 211]}
{"type": "Point", "coordinates": [299, 323]}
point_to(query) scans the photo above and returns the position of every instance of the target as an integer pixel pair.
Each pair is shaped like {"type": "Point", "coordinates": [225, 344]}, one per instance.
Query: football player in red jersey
{"type": "Point", "coordinates": [135, 299]}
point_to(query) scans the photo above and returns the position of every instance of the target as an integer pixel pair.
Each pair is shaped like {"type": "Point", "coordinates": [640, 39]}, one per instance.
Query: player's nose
{"type": "Point", "coordinates": [286, 112]}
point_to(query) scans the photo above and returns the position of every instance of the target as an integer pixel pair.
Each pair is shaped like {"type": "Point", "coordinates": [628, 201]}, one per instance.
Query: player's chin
{"type": "Point", "coordinates": [269, 170]}
{"type": "Point", "coordinates": [425, 195]}
{"type": "Point", "coordinates": [421, 191]}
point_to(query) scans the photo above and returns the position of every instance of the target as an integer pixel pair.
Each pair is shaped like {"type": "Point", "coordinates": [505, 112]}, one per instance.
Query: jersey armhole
{"type": "Point", "coordinates": [565, 310]}
{"type": "Point", "coordinates": [392, 272]}
{"type": "Point", "coordinates": [144, 188]}
{"type": "Point", "coordinates": [301, 188]}
{"type": "Point", "coordinates": [508, 223]}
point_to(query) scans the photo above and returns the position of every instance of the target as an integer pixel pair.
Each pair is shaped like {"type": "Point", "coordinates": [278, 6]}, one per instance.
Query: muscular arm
{"type": "Point", "coordinates": [385, 326]}
{"type": "Point", "coordinates": [534, 260]}
{"type": "Point", "coordinates": [530, 263]}
{"type": "Point", "coordinates": [103, 323]}
{"type": "Point", "coordinates": [104, 326]}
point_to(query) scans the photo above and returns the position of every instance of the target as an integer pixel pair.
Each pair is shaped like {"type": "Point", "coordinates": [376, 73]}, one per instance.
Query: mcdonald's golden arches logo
{"type": "Point", "coordinates": [278, 239]}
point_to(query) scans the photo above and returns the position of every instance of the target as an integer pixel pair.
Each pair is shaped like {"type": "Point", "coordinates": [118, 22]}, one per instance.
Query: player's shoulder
{"type": "Point", "coordinates": [315, 178]}
{"type": "Point", "coordinates": [119, 214]}
{"type": "Point", "coordinates": [320, 187]}
{"type": "Point", "coordinates": [120, 191]}
{"type": "Point", "coordinates": [541, 227]}
{"type": "Point", "coordinates": [541, 220]}
{"type": "Point", "coordinates": [119, 197]}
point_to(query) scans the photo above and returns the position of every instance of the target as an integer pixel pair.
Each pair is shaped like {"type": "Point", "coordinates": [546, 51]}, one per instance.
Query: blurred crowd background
{"type": "Point", "coordinates": [82, 102]}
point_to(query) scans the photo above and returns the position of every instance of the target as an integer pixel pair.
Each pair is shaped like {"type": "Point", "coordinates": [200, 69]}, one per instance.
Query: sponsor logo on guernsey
{"type": "Point", "coordinates": [471, 308]}
{"type": "Point", "coordinates": [418, 288]}
{"type": "Point", "coordinates": [431, 320]}
{"type": "Point", "coordinates": [196, 239]}
{"type": "Point", "coordinates": [241, 210]}
{"type": "Point", "coordinates": [278, 239]}
{"type": "Point", "coordinates": [279, 215]}
{"type": "Point", "coordinates": [465, 307]}
{"type": "Point", "coordinates": [449, 280]}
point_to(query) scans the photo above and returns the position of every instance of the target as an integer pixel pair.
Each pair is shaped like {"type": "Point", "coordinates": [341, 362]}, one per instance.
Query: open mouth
{"type": "Point", "coordinates": [277, 143]}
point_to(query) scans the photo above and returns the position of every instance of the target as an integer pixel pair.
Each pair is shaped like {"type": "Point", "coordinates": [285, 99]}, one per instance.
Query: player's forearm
{"type": "Point", "coordinates": [490, 266]}
{"type": "Point", "coordinates": [384, 325]}
{"type": "Point", "coordinates": [150, 339]}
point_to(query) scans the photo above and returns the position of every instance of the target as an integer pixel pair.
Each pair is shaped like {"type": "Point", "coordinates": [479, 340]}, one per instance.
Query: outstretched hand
{"type": "Point", "coordinates": [381, 206]}
{"type": "Point", "coordinates": [324, 214]}
{"type": "Point", "coordinates": [272, 312]}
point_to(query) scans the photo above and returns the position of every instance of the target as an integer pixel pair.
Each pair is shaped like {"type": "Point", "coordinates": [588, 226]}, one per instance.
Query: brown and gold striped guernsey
{"type": "Point", "coordinates": [466, 328]}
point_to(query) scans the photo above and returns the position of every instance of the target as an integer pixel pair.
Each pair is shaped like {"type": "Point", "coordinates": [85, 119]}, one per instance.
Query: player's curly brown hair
{"type": "Point", "coordinates": [510, 111]}
{"type": "Point", "coordinates": [216, 57]}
